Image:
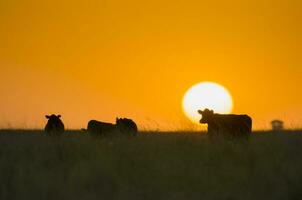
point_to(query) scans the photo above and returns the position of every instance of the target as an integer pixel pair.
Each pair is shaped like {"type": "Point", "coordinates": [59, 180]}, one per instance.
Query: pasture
{"type": "Point", "coordinates": [151, 166]}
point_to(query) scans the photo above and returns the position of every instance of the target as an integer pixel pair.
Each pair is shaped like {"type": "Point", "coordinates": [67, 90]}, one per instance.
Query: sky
{"type": "Point", "coordinates": [99, 59]}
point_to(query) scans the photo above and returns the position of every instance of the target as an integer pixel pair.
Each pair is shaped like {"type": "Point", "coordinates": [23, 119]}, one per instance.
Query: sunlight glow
{"type": "Point", "coordinates": [206, 95]}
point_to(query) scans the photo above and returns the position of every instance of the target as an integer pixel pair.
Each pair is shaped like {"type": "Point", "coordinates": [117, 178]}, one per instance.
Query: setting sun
{"type": "Point", "coordinates": [206, 95]}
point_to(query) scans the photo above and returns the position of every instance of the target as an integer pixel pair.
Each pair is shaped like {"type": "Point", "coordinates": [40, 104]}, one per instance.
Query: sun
{"type": "Point", "coordinates": [206, 95]}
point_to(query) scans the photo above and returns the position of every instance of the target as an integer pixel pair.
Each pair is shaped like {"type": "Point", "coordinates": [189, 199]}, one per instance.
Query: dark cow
{"type": "Point", "coordinates": [123, 125]}
{"type": "Point", "coordinates": [226, 125]}
{"type": "Point", "coordinates": [54, 125]}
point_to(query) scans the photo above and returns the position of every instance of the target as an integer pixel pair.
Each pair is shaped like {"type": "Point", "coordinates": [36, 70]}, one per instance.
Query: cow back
{"type": "Point", "coordinates": [99, 128]}
{"type": "Point", "coordinates": [230, 125]}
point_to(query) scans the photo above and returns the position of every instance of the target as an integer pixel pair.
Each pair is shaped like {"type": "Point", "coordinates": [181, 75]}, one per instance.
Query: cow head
{"type": "Point", "coordinates": [54, 120]}
{"type": "Point", "coordinates": [207, 116]}
{"type": "Point", "coordinates": [54, 124]}
{"type": "Point", "coordinates": [127, 125]}
{"type": "Point", "coordinates": [53, 117]}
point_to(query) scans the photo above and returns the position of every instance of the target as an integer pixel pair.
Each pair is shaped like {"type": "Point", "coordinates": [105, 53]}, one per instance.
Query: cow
{"type": "Point", "coordinates": [233, 126]}
{"type": "Point", "coordinates": [54, 125]}
{"type": "Point", "coordinates": [123, 125]}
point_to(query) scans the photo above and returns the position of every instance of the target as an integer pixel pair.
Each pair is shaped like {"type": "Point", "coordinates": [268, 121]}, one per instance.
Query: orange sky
{"type": "Point", "coordinates": [102, 59]}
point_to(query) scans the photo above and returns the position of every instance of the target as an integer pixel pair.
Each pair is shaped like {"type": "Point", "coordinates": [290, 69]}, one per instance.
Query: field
{"type": "Point", "coordinates": [155, 166]}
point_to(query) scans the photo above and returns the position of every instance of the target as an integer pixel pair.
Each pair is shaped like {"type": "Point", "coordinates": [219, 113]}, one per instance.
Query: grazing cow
{"type": "Point", "coordinates": [54, 125]}
{"type": "Point", "coordinates": [123, 125]}
{"type": "Point", "coordinates": [226, 125]}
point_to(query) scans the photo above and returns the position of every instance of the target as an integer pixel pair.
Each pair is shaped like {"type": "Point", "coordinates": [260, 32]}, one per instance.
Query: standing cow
{"type": "Point", "coordinates": [123, 125]}
{"type": "Point", "coordinates": [54, 125]}
{"type": "Point", "coordinates": [226, 125]}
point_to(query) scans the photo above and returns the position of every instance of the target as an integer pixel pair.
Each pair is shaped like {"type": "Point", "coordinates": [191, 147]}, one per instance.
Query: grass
{"type": "Point", "coordinates": [149, 166]}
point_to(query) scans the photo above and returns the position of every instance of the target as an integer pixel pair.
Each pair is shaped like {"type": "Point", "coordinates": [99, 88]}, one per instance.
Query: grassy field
{"type": "Point", "coordinates": [153, 166]}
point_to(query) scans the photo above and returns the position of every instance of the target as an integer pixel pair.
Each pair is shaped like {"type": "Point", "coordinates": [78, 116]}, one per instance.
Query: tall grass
{"type": "Point", "coordinates": [150, 166]}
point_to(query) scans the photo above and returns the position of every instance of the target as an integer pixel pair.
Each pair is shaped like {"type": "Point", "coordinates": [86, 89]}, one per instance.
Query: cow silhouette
{"type": "Point", "coordinates": [226, 125]}
{"type": "Point", "coordinates": [123, 125]}
{"type": "Point", "coordinates": [54, 125]}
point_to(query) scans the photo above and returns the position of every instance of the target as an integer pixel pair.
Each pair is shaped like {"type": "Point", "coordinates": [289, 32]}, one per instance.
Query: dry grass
{"type": "Point", "coordinates": [151, 166]}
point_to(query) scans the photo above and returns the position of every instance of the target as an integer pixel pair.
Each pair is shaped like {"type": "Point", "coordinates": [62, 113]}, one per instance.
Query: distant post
{"type": "Point", "coordinates": [277, 125]}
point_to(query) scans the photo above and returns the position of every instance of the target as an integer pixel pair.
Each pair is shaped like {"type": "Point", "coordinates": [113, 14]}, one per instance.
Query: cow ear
{"type": "Point", "coordinates": [200, 112]}
{"type": "Point", "coordinates": [47, 116]}
{"type": "Point", "coordinates": [59, 116]}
